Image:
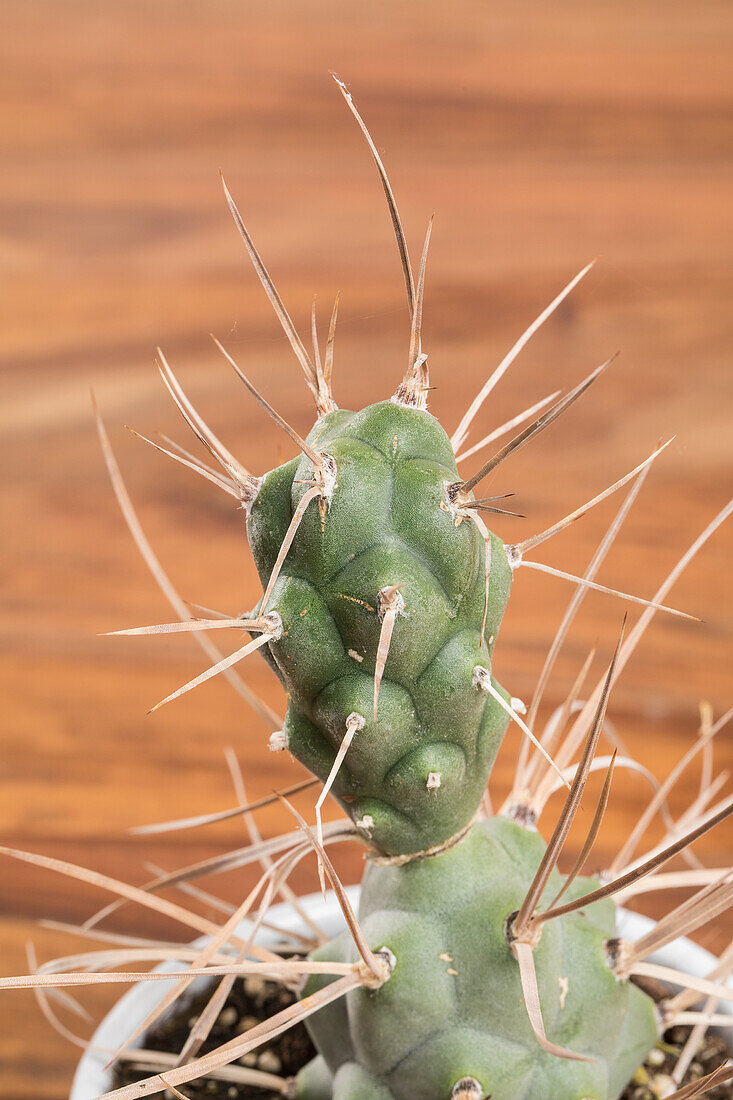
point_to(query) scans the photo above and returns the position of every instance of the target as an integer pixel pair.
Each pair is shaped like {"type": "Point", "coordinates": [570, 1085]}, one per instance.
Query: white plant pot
{"type": "Point", "coordinates": [92, 1079]}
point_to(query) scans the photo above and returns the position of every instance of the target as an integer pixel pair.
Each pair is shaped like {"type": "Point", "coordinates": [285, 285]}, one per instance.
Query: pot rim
{"type": "Point", "coordinates": [91, 1079]}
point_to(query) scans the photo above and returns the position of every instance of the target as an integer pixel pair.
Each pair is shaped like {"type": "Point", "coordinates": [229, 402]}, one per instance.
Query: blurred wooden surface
{"type": "Point", "coordinates": [541, 136]}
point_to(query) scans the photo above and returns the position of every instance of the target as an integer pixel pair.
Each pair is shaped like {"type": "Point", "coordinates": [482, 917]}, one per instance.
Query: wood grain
{"type": "Point", "coordinates": [541, 136]}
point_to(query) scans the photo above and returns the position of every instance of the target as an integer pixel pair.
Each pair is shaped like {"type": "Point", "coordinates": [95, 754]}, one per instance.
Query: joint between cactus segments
{"type": "Point", "coordinates": [415, 857]}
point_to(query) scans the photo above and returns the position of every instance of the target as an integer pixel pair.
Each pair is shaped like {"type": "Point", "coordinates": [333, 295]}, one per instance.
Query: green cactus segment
{"type": "Point", "coordinates": [453, 1006]}
{"type": "Point", "coordinates": [387, 523]}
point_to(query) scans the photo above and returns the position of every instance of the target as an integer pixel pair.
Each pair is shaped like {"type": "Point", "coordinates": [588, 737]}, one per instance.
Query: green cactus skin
{"type": "Point", "coordinates": [453, 1006]}
{"type": "Point", "coordinates": [386, 524]}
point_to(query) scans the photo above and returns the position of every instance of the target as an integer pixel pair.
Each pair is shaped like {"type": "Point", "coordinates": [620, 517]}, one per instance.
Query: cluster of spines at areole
{"type": "Point", "coordinates": [545, 762]}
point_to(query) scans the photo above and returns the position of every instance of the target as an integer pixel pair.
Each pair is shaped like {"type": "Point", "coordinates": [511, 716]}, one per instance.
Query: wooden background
{"type": "Point", "coordinates": [541, 135]}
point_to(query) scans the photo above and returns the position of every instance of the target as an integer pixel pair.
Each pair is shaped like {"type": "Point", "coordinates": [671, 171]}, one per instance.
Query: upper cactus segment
{"type": "Point", "coordinates": [383, 588]}
{"type": "Point", "coordinates": [380, 577]}
{"type": "Point", "coordinates": [384, 544]}
{"type": "Point", "coordinates": [377, 566]}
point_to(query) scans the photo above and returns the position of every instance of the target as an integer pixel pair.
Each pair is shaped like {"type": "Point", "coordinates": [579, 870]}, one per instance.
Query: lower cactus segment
{"type": "Point", "coordinates": [453, 1014]}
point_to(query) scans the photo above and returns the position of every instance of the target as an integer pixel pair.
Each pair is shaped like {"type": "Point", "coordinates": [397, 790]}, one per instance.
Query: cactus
{"type": "Point", "coordinates": [385, 537]}
{"type": "Point", "coordinates": [474, 968]}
